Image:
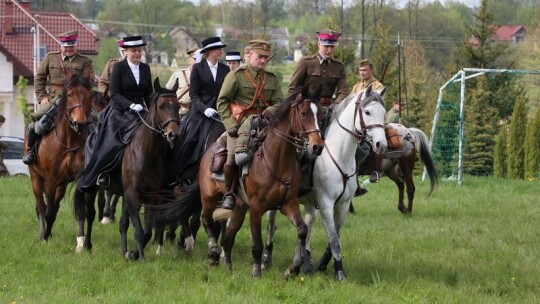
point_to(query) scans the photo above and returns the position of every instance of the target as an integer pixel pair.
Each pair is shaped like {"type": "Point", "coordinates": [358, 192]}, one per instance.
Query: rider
{"type": "Point", "coordinates": [233, 60]}
{"type": "Point", "coordinates": [183, 76]}
{"type": "Point", "coordinates": [247, 91]}
{"type": "Point", "coordinates": [49, 84]}
{"type": "Point", "coordinates": [103, 84]}
{"type": "Point", "coordinates": [365, 69]}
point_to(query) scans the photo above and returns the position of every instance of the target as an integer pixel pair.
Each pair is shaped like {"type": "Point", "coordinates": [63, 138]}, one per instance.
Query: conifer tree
{"type": "Point", "coordinates": [532, 148]}
{"type": "Point", "coordinates": [501, 152]}
{"type": "Point", "coordinates": [516, 140]}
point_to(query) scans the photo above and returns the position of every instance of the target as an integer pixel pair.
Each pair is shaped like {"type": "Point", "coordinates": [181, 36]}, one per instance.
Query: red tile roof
{"type": "Point", "coordinates": [17, 34]}
{"type": "Point", "coordinates": [507, 32]}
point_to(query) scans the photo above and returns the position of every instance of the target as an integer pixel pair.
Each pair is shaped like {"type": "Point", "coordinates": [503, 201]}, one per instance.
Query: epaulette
{"type": "Point", "coordinates": [337, 60]}
{"type": "Point", "coordinates": [241, 68]}
{"type": "Point", "coordinates": [314, 56]}
{"type": "Point", "coordinates": [53, 53]}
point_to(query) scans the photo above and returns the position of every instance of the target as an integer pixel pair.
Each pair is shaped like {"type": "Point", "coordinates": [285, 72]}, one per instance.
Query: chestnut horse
{"type": "Point", "coordinates": [271, 181]}
{"type": "Point", "coordinates": [60, 152]}
{"type": "Point", "coordinates": [143, 171]}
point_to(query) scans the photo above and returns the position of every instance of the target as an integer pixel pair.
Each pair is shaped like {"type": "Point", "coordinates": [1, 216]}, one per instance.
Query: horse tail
{"type": "Point", "coordinates": [421, 143]}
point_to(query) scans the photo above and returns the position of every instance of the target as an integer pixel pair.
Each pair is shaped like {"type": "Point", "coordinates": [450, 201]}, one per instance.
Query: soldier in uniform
{"type": "Point", "coordinates": [103, 84]}
{"type": "Point", "coordinates": [49, 84]}
{"type": "Point", "coordinates": [238, 92]}
{"type": "Point", "coordinates": [233, 60]}
{"type": "Point", "coordinates": [321, 69]}
{"type": "Point", "coordinates": [393, 116]}
{"type": "Point", "coordinates": [365, 70]}
{"type": "Point", "coordinates": [182, 76]}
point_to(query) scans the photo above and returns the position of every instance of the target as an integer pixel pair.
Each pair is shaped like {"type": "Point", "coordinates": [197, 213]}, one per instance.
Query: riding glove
{"type": "Point", "coordinates": [233, 132]}
{"type": "Point", "coordinates": [136, 107]}
{"type": "Point", "coordinates": [210, 112]}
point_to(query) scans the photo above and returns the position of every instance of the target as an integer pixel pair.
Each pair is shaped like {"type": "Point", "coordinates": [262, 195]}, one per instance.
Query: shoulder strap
{"type": "Point", "coordinates": [185, 77]}
{"type": "Point", "coordinates": [258, 89]}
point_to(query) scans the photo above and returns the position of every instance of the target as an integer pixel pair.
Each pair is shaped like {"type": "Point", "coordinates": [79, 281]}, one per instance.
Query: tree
{"type": "Point", "coordinates": [532, 148]}
{"type": "Point", "coordinates": [501, 152]}
{"type": "Point", "coordinates": [22, 103]}
{"type": "Point", "coordinates": [516, 140]}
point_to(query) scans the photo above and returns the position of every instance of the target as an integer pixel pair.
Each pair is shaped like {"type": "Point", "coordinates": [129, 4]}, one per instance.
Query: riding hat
{"type": "Point", "coordinates": [133, 41]}
{"type": "Point", "coordinates": [68, 38]}
{"type": "Point", "coordinates": [191, 51]}
{"type": "Point", "coordinates": [328, 37]}
{"type": "Point", "coordinates": [233, 56]}
{"type": "Point", "coordinates": [261, 47]}
{"type": "Point", "coordinates": [212, 43]}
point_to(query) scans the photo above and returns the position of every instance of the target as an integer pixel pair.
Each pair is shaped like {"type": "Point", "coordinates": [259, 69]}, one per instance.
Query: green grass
{"type": "Point", "coordinates": [478, 243]}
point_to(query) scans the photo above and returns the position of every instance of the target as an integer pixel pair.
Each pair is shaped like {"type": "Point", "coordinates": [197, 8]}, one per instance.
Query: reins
{"type": "Point", "coordinates": [161, 126]}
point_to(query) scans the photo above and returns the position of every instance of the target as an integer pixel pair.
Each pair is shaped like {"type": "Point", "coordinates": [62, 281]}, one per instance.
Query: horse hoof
{"type": "Point", "coordinates": [229, 266]}
{"type": "Point", "coordinates": [340, 275]}
{"type": "Point", "coordinates": [256, 270]}
{"type": "Point", "coordinates": [105, 220]}
{"type": "Point", "coordinates": [80, 244]}
{"type": "Point", "coordinates": [159, 250]}
{"type": "Point", "coordinates": [266, 261]}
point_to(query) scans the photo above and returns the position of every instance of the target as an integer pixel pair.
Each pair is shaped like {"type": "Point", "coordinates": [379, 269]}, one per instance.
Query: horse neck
{"type": "Point", "coordinates": [283, 152]}
{"type": "Point", "coordinates": [152, 142]}
{"type": "Point", "coordinates": [340, 142]}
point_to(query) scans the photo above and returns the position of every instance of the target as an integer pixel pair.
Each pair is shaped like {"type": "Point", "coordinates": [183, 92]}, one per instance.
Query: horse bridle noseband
{"type": "Point", "coordinates": [361, 135]}
{"type": "Point", "coordinates": [160, 129]}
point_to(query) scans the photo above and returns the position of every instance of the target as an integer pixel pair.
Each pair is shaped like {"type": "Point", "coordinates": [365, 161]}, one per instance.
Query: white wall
{"type": "Point", "coordinates": [14, 125]}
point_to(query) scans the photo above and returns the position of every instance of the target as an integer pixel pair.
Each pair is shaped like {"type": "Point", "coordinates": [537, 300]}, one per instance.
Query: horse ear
{"type": "Point", "coordinates": [383, 91]}
{"type": "Point", "coordinates": [175, 87]}
{"type": "Point", "coordinates": [157, 86]}
{"type": "Point", "coordinates": [368, 90]}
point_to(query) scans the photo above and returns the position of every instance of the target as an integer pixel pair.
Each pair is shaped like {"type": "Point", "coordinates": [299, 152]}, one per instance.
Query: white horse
{"type": "Point", "coordinates": [360, 117]}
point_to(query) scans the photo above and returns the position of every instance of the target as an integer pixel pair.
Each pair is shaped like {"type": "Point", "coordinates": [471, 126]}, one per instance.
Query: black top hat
{"type": "Point", "coordinates": [233, 56]}
{"type": "Point", "coordinates": [211, 44]}
{"type": "Point", "coordinates": [133, 41]}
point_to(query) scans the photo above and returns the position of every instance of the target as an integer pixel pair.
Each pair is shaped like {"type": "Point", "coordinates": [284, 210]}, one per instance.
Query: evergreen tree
{"type": "Point", "coordinates": [532, 148]}
{"type": "Point", "coordinates": [516, 140]}
{"type": "Point", "coordinates": [480, 131]}
{"type": "Point", "coordinates": [501, 152]}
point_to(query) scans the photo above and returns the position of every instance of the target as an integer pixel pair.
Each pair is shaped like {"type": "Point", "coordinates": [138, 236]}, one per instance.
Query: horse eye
{"type": "Point", "coordinates": [367, 113]}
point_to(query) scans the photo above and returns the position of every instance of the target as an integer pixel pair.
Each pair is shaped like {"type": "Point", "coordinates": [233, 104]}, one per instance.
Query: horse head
{"type": "Point", "coordinates": [76, 104]}
{"type": "Point", "coordinates": [99, 101]}
{"type": "Point", "coordinates": [302, 107]}
{"type": "Point", "coordinates": [163, 112]}
{"type": "Point", "coordinates": [371, 118]}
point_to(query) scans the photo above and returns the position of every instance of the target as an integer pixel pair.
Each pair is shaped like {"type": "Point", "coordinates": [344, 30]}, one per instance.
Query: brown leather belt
{"type": "Point", "coordinates": [326, 101]}
{"type": "Point", "coordinates": [254, 111]}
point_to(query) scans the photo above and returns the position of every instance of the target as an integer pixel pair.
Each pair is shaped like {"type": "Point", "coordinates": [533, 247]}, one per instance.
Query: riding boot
{"type": "Point", "coordinates": [360, 190]}
{"type": "Point", "coordinates": [29, 156]}
{"type": "Point", "coordinates": [376, 175]}
{"type": "Point", "coordinates": [231, 178]}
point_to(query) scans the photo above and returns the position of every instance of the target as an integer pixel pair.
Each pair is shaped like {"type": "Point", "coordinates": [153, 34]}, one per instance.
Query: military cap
{"type": "Point", "coordinates": [191, 51]}
{"type": "Point", "coordinates": [233, 56]}
{"type": "Point", "coordinates": [328, 37]}
{"type": "Point", "coordinates": [261, 47]}
{"type": "Point", "coordinates": [68, 38]}
{"type": "Point", "coordinates": [133, 41]}
{"type": "Point", "coordinates": [212, 43]}
{"type": "Point", "coordinates": [365, 62]}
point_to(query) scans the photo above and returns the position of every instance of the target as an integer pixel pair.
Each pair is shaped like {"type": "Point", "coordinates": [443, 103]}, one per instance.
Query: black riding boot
{"type": "Point", "coordinates": [231, 177]}
{"type": "Point", "coordinates": [29, 156]}
{"type": "Point", "coordinates": [362, 152]}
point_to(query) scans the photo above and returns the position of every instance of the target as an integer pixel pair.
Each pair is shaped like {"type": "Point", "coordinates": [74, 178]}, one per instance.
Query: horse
{"type": "Point", "coordinates": [359, 117]}
{"type": "Point", "coordinates": [145, 159]}
{"type": "Point", "coordinates": [59, 152]}
{"type": "Point", "coordinates": [398, 163]}
{"type": "Point", "coordinates": [270, 181]}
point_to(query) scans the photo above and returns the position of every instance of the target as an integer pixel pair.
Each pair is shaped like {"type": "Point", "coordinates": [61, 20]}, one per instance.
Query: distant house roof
{"type": "Point", "coordinates": [505, 33]}
{"type": "Point", "coordinates": [17, 34]}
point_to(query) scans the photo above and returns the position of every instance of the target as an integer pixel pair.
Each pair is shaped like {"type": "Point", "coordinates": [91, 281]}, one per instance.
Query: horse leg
{"type": "Point", "coordinates": [115, 199]}
{"type": "Point", "coordinates": [333, 237]}
{"type": "Point", "coordinates": [309, 219]}
{"type": "Point", "coordinates": [228, 238]}
{"type": "Point", "coordinates": [84, 211]}
{"type": "Point", "coordinates": [270, 232]}
{"type": "Point", "coordinates": [102, 205]}
{"type": "Point", "coordinates": [160, 231]}
{"type": "Point", "coordinates": [38, 188]}
{"type": "Point", "coordinates": [342, 211]}
{"type": "Point", "coordinates": [292, 211]}
{"type": "Point", "coordinates": [208, 224]}
{"type": "Point", "coordinates": [393, 175]}
{"type": "Point", "coordinates": [195, 223]}
{"type": "Point", "coordinates": [107, 217]}
{"type": "Point", "coordinates": [123, 229]}
{"type": "Point", "coordinates": [407, 171]}
{"type": "Point", "coordinates": [54, 196]}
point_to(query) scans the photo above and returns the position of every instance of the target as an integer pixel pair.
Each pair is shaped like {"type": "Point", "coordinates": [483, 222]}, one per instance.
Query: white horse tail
{"type": "Point", "coordinates": [421, 145]}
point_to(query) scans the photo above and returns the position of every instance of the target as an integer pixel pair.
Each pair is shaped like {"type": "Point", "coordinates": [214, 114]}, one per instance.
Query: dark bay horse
{"type": "Point", "coordinates": [143, 171]}
{"type": "Point", "coordinates": [398, 163]}
{"type": "Point", "coordinates": [60, 152]}
{"type": "Point", "coordinates": [272, 181]}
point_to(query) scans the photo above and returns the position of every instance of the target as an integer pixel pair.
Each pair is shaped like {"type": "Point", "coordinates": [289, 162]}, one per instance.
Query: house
{"type": "Point", "coordinates": [22, 35]}
{"type": "Point", "coordinates": [183, 40]}
{"type": "Point", "coordinates": [511, 34]}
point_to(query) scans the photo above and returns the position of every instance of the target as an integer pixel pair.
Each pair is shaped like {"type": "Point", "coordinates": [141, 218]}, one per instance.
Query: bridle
{"type": "Point", "coordinates": [67, 114]}
{"type": "Point", "coordinates": [361, 135]}
{"type": "Point", "coordinates": [157, 126]}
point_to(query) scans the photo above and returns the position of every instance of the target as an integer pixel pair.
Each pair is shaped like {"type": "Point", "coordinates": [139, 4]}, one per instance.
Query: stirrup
{"type": "Point", "coordinates": [374, 177]}
{"type": "Point", "coordinates": [103, 180]}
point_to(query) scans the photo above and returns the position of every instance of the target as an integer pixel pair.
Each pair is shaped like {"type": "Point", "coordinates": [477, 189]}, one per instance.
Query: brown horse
{"type": "Point", "coordinates": [143, 171]}
{"type": "Point", "coordinates": [60, 152]}
{"type": "Point", "coordinates": [272, 181]}
{"type": "Point", "coordinates": [398, 163]}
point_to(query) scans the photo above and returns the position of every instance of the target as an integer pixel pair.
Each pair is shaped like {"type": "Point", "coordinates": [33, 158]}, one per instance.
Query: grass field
{"type": "Point", "coordinates": [478, 243]}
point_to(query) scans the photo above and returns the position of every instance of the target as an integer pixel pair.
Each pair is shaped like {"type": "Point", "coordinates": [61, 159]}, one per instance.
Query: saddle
{"type": "Point", "coordinates": [393, 138]}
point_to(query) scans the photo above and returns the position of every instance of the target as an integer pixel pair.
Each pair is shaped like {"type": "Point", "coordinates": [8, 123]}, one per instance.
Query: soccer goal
{"type": "Point", "coordinates": [447, 133]}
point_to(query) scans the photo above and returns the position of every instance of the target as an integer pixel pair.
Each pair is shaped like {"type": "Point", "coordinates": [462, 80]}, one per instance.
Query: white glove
{"type": "Point", "coordinates": [210, 112]}
{"type": "Point", "coordinates": [136, 107]}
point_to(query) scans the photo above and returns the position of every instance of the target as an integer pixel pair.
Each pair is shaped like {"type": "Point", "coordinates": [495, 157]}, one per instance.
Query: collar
{"type": "Point", "coordinates": [132, 65]}
{"type": "Point", "coordinates": [69, 58]}
{"type": "Point", "coordinates": [212, 66]}
{"type": "Point", "coordinates": [322, 58]}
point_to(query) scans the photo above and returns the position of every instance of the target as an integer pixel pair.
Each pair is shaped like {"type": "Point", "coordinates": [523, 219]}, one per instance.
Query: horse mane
{"type": "Point", "coordinates": [71, 82]}
{"type": "Point", "coordinates": [286, 104]}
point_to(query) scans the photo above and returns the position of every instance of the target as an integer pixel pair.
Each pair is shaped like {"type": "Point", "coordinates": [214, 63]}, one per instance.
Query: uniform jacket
{"type": "Point", "coordinates": [392, 116]}
{"type": "Point", "coordinates": [51, 72]}
{"type": "Point", "coordinates": [123, 88]}
{"type": "Point", "coordinates": [183, 76]}
{"type": "Point", "coordinates": [237, 87]}
{"type": "Point", "coordinates": [363, 84]}
{"type": "Point", "coordinates": [105, 74]}
{"type": "Point", "coordinates": [203, 89]}
{"type": "Point", "coordinates": [331, 75]}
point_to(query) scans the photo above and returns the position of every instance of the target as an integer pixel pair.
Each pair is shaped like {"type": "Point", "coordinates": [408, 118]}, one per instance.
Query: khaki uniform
{"type": "Point", "coordinates": [363, 84]}
{"type": "Point", "coordinates": [329, 74]}
{"type": "Point", "coordinates": [238, 88]}
{"type": "Point", "coordinates": [50, 77]}
{"type": "Point", "coordinates": [105, 74]}
{"type": "Point", "coordinates": [183, 84]}
{"type": "Point", "coordinates": [392, 116]}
